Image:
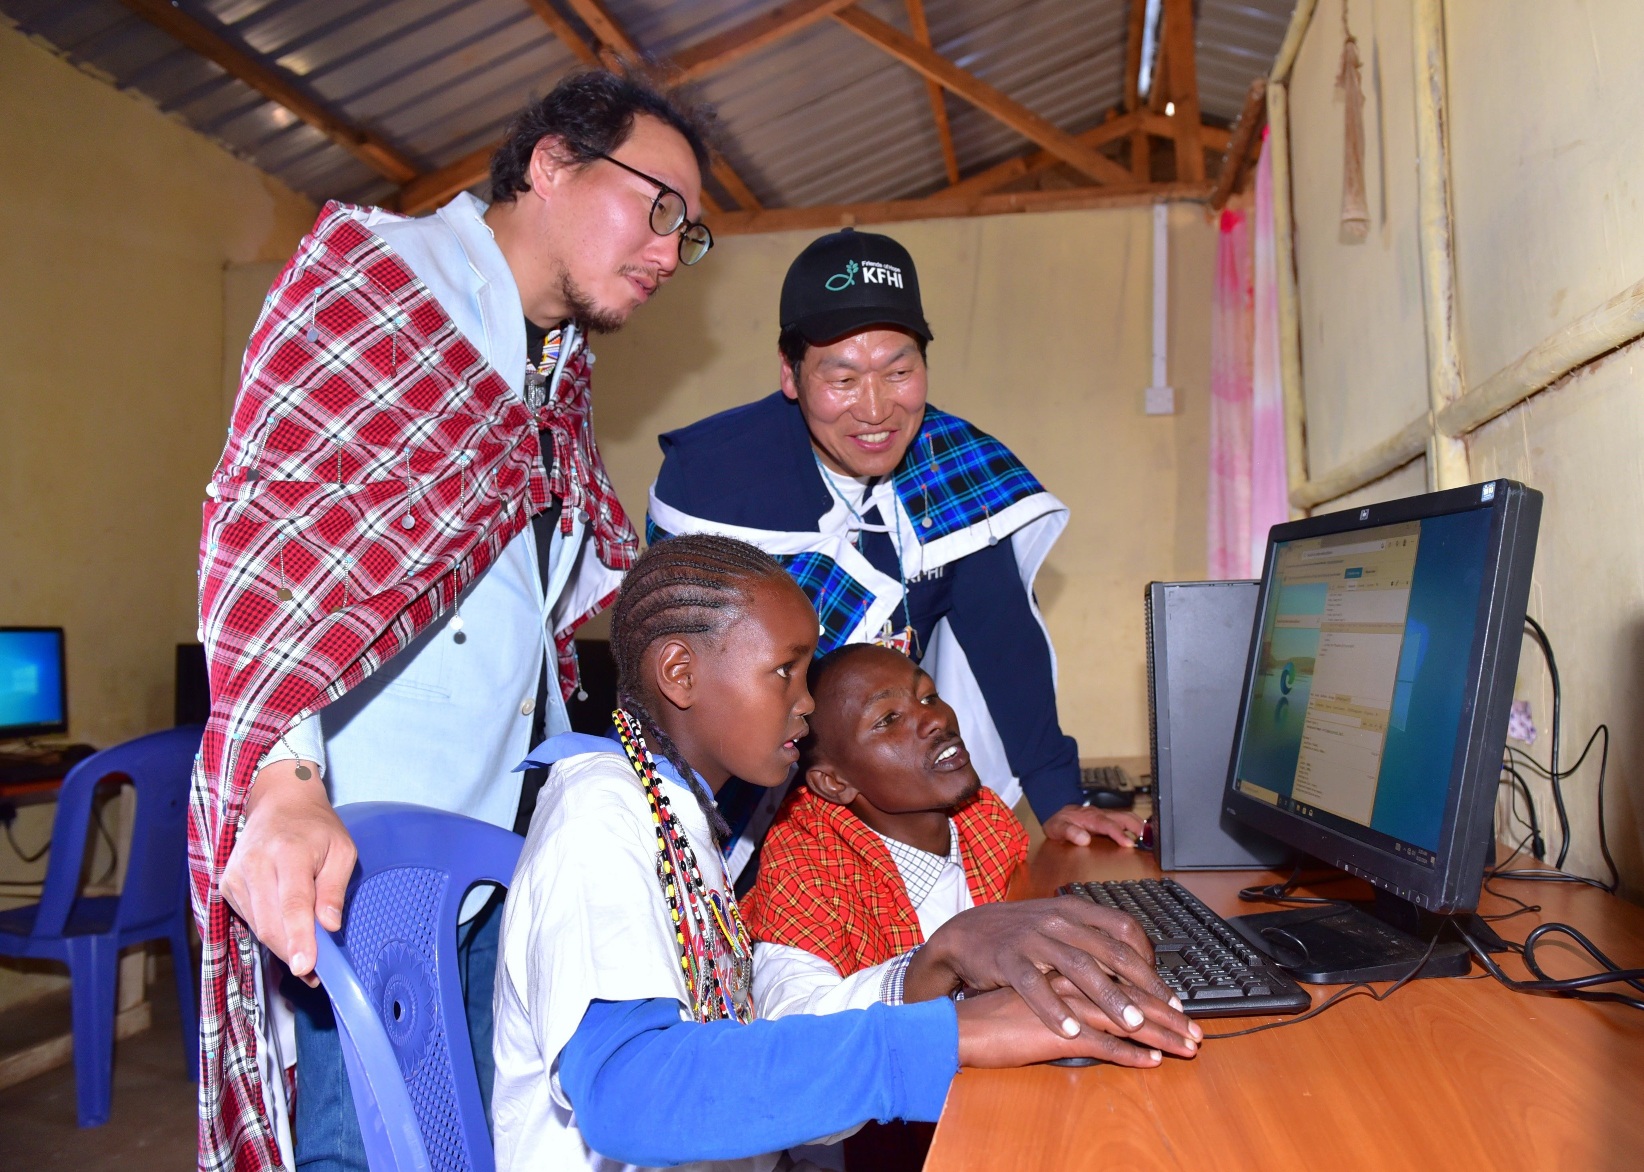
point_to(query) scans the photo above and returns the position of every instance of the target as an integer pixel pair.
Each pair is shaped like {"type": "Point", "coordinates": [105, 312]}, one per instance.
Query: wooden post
{"type": "Point", "coordinates": [1284, 250]}
{"type": "Point", "coordinates": [1446, 455]}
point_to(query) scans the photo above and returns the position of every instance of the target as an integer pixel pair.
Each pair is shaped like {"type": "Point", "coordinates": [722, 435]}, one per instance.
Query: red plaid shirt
{"type": "Point", "coordinates": [828, 885]}
{"type": "Point", "coordinates": [376, 466]}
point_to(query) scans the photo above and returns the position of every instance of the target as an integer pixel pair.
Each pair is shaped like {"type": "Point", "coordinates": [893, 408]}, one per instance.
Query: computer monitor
{"type": "Point", "coordinates": [1374, 709]}
{"type": "Point", "coordinates": [33, 689]}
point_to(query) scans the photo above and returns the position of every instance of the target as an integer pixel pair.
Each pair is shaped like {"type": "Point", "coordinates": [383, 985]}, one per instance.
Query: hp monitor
{"type": "Point", "coordinates": [1374, 713]}
{"type": "Point", "coordinates": [33, 694]}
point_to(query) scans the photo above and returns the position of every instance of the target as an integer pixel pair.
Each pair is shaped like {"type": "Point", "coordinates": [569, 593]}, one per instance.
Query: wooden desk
{"type": "Point", "coordinates": [1451, 1074]}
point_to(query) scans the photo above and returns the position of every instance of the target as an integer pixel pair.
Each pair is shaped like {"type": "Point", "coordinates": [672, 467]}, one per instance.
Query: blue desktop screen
{"type": "Point", "coordinates": [1356, 702]}
{"type": "Point", "coordinates": [31, 679]}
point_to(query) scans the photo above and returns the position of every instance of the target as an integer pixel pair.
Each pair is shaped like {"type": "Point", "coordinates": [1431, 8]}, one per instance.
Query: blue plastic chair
{"type": "Point", "coordinates": [392, 977]}
{"type": "Point", "coordinates": [87, 932]}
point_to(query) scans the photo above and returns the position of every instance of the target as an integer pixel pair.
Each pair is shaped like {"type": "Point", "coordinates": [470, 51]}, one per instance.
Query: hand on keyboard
{"type": "Point", "coordinates": [1103, 953]}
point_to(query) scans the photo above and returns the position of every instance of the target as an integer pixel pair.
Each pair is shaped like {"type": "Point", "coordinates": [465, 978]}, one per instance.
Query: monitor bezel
{"type": "Point", "coordinates": [16, 732]}
{"type": "Point", "coordinates": [1453, 883]}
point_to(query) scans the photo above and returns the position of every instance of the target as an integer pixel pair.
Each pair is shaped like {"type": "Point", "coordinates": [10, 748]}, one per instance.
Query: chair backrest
{"type": "Point", "coordinates": [400, 938]}
{"type": "Point", "coordinates": [160, 766]}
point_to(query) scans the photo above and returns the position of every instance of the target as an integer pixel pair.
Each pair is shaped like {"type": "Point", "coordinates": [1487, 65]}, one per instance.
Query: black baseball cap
{"type": "Point", "coordinates": [847, 281]}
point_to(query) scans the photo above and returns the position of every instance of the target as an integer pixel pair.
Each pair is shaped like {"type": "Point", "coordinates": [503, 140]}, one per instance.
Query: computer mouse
{"type": "Point", "coordinates": [1110, 799]}
{"type": "Point", "coordinates": [1077, 1060]}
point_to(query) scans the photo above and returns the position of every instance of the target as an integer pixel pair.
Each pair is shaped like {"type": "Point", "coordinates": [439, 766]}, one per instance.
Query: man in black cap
{"type": "Point", "coordinates": [905, 525]}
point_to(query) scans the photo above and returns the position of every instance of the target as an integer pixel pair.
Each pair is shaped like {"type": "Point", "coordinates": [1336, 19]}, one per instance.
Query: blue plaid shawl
{"type": "Point", "coordinates": [749, 472]}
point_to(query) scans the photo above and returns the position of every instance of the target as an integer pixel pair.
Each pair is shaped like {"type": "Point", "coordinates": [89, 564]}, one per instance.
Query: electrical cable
{"type": "Point", "coordinates": [1579, 988]}
{"type": "Point", "coordinates": [1557, 876]}
{"type": "Point", "coordinates": [1280, 892]}
{"type": "Point", "coordinates": [102, 832]}
{"type": "Point", "coordinates": [1555, 776]}
{"type": "Point", "coordinates": [1340, 994]}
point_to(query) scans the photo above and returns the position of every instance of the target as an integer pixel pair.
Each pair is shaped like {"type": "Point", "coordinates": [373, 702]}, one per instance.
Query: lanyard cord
{"type": "Point", "coordinates": [889, 529]}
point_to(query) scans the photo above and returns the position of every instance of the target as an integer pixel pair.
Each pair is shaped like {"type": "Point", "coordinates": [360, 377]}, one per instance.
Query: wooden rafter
{"type": "Point", "coordinates": [983, 96]}
{"type": "Point", "coordinates": [278, 86]}
{"type": "Point", "coordinates": [944, 206]}
{"type": "Point", "coordinates": [605, 28]}
{"type": "Point", "coordinates": [427, 192]}
{"type": "Point", "coordinates": [938, 104]}
{"type": "Point", "coordinates": [567, 35]}
{"type": "Point", "coordinates": [716, 52]}
{"type": "Point", "coordinates": [1184, 88]}
{"type": "Point", "coordinates": [1241, 143]}
{"type": "Point", "coordinates": [1036, 162]}
{"type": "Point", "coordinates": [1140, 163]}
{"type": "Point", "coordinates": [614, 38]}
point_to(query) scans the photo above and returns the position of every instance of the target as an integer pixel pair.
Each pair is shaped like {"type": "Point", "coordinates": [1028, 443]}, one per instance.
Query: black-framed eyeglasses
{"type": "Point", "coordinates": [668, 215]}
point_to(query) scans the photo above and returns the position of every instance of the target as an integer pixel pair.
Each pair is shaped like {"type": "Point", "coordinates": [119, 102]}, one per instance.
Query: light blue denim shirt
{"type": "Point", "coordinates": [443, 722]}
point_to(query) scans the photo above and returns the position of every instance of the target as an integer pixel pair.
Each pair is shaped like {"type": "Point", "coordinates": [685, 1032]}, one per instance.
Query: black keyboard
{"type": "Point", "coordinates": [1198, 954]}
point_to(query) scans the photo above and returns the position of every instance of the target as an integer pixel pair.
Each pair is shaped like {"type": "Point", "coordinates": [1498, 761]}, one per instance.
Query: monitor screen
{"type": "Point", "coordinates": [1375, 677]}
{"type": "Point", "coordinates": [32, 696]}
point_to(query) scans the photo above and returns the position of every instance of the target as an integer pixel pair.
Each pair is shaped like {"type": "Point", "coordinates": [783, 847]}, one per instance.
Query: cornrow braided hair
{"type": "Point", "coordinates": [686, 585]}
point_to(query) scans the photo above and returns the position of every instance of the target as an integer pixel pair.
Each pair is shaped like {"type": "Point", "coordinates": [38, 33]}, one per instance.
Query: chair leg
{"type": "Point", "coordinates": [188, 1002]}
{"type": "Point", "coordinates": [94, 963]}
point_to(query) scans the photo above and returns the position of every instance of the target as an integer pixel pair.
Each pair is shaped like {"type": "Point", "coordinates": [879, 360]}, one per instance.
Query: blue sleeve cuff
{"type": "Point", "coordinates": [755, 1088]}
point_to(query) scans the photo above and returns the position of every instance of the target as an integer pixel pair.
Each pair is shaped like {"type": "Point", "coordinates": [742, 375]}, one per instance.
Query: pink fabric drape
{"type": "Point", "coordinates": [1247, 458]}
{"type": "Point", "coordinates": [1230, 400]}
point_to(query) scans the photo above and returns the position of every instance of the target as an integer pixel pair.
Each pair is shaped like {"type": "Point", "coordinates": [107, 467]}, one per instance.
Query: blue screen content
{"type": "Point", "coordinates": [31, 679]}
{"type": "Point", "coordinates": [1356, 702]}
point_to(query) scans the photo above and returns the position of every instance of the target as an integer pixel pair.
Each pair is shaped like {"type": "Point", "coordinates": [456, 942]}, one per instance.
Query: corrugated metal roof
{"type": "Point", "coordinates": [820, 117]}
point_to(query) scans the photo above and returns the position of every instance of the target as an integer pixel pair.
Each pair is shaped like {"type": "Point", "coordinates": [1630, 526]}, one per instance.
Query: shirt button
{"type": "Point", "coordinates": [527, 707]}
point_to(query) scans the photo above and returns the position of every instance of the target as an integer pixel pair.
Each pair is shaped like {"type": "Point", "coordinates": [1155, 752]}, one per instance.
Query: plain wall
{"type": "Point", "coordinates": [1043, 338]}
{"type": "Point", "coordinates": [118, 222]}
{"type": "Point", "coordinates": [1546, 183]}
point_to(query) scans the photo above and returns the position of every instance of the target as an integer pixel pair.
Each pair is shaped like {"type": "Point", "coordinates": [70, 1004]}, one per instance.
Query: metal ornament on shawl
{"type": "Point", "coordinates": [715, 950]}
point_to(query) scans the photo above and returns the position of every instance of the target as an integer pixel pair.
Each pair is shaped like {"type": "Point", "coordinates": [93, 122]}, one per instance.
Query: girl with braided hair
{"type": "Point", "coordinates": [625, 1028]}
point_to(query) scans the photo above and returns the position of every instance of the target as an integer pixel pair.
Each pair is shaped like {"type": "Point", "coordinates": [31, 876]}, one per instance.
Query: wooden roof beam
{"type": "Point", "coordinates": [277, 85]}
{"type": "Point", "coordinates": [568, 36]}
{"type": "Point", "coordinates": [1033, 162]}
{"type": "Point", "coordinates": [1184, 87]}
{"type": "Point", "coordinates": [938, 104]}
{"type": "Point", "coordinates": [946, 206]}
{"type": "Point", "coordinates": [613, 37]}
{"type": "Point", "coordinates": [983, 96]}
{"type": "Point", "coordinates": [1140, 163]}
{"type": "Point", "coordinates": [1241, 143]}
{"type": "Point", "coordinates": [714, 53]}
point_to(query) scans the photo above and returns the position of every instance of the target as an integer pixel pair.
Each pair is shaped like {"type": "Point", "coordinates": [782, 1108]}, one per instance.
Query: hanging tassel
{"type": "Point", "coordinates": [1355, 208]}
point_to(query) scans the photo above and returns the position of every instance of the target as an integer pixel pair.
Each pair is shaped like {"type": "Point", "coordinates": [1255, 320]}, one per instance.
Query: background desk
{"type": "Point", "coordinates": [1447, 1074]}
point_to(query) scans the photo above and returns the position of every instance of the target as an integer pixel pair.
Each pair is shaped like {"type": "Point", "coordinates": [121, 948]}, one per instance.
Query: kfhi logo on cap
{"type": "Point", "coordinates": [872, 272]}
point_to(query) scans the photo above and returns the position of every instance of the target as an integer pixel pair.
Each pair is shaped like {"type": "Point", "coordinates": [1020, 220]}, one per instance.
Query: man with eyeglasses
{"type": "Point", "coordinates": [904, 524]}
{"type": "Point", "coordinates": [407, 526]}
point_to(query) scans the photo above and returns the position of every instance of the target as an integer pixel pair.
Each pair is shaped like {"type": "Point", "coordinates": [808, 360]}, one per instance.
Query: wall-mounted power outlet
{"type": "Point", "coordinates": [1160, 401]}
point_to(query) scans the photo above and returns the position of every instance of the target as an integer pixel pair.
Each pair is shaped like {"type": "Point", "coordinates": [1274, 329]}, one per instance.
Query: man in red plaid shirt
{"type": "Point", "coordinates": [408, 523]}
{"type": "Point", "coordinates": [872, 868]}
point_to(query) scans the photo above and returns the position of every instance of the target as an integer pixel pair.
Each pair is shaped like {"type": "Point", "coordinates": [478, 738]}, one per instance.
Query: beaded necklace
{"type": "Point", "coordinates": [702, 917]}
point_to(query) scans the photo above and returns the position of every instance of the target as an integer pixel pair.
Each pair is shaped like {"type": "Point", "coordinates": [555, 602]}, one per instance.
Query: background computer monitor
{"type": "Point", "coordinates": [33, 691]}
{"type": "Point", "coordinates": [1378, 687]}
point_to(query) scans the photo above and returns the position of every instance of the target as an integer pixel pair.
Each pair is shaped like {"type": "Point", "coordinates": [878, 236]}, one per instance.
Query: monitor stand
{"type": "Point", "coordinates": [1339, 943]}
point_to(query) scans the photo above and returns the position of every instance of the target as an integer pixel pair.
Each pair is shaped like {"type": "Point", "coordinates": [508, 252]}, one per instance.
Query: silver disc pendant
{"type": "Point", "coordinates": [283, 594]}
{"type": "Point", "coordinates": [304, 773]}
{"type": "Point", "coordinates": [408, 522]}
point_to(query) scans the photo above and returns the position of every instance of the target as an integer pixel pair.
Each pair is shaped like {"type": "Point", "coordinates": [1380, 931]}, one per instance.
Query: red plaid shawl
{"type": "Point", "coordinates": [376, 466]}
{"type": "Point", "coordinates": [828, 885]}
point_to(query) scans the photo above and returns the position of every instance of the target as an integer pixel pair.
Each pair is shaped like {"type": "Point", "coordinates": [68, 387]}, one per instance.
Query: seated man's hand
{"type": "Point", "coordinates": [1104, 955]}
{"type": "Point", "coordinates": [290, 865]}
{"type": "Point", "coordinates": [1080, 825]}
{"type": "Point", "coordinates": [998, 1029]}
